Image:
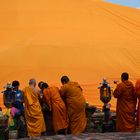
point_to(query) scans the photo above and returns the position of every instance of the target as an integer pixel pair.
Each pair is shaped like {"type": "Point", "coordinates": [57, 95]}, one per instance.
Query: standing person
{"type": "Point", "coordinates": [72, 95]}
{"type": "Point", "coordinates": [126, 105]}
{"type": "Point", "coordinates": [58, 108]}
{"type": "Point", "coordinates": [18, 104]}
{"type": "Point", "coordinates": [137, 90]}
{"type": "Point", "coordinates": [8, 96]}
{"type": "Point", "coordinates": [33, 113]}
{"type": "Point", "coordinates": [8, 99]}
{"type": "Point", "coordinates": [18, 96]}
{"type": "Point", "coordinates": [47, 113]}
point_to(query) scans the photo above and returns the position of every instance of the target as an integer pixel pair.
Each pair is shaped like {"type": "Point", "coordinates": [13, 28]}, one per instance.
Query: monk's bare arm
{"type": "Point", "coordinates": [63, 90]}
{"type": "Point", "coordinates": [138, 93]}
{"type": "Point", "coordinates": [47, 98]}
{"type": "Point", "coordinates": [118, 91]}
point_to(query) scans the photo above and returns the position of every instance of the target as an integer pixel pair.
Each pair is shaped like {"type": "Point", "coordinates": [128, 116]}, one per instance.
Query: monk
{"type": "Point", "coordinates": [126, 105]}
{"type": "Point", "coordinates": [137, 90]}
{"type": "Point", "coordinates": [33, 114]}
{"type": "Point", "coordinates": [72, 95]}
{"type": "Point", "coordinates": [47, 113]}
{"type": "Point", "coordinates": [58, 108]}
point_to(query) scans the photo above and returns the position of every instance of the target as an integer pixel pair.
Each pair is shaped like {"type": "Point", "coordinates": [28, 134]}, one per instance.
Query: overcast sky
{"type": "Point", "coordinates": [131, 3]}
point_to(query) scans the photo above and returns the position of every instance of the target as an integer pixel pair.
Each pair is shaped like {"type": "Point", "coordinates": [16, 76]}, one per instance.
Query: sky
{"type": "Point", "coordinates": [130, 3]}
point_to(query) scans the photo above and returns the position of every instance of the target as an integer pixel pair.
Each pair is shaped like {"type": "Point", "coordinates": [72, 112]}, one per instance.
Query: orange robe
{"type": "Point", "coordinates": [58, 108]}
{"type": "Point", "coordinates": [126, 106]}
{"type": "Point", "coordinates": [75, 104]}
{"type": "Point", "coordinates": [33, 114]}
{"type": "Point", "coordinates": [137, 90]}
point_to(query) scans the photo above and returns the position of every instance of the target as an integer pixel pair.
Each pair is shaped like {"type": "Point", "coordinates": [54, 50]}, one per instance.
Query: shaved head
{"type": "Point", "coordinates": [32, 82]}
{"type": "Point", "coordinates": [65, 80]}
{"type": "Point", "coordinates": [125, 76]}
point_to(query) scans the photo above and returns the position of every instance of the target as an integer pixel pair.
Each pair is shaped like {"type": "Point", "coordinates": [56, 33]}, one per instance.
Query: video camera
{"type": "Point", "coordinates": [8, 95]}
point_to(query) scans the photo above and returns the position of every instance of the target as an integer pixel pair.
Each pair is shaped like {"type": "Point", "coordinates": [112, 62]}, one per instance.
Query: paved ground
{"type": "Point", "coordinates": [94, 136]}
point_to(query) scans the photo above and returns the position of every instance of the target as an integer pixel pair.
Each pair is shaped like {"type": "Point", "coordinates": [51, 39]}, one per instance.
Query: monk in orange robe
{"type": "Point", "coordinates": [73, 97]}
{"type": "Point", "coordinates": [126, 105]}
{"type": "Point", "coordinates": [137, 90]}
{"type": "Point", "coordinates": [33, 114]}
{"type": "Point", "coordinates": [58, 108]}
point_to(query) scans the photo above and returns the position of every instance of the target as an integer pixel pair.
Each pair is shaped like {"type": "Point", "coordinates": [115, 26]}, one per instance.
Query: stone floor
{"type": "Point", "coordinates": [94, 136]}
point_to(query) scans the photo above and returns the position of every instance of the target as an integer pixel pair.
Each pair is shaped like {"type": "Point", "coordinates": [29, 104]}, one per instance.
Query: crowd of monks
{"type": "Point", "coordinates": [66, 107]}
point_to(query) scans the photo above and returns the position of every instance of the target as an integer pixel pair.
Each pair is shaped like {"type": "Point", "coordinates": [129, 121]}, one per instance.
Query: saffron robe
{"type": "Point", "coordinates": [75, 104]}
{"type": "Point", "coordinates": [137, 90]}
{"type": "Point", "coordinates": [58, 108]}
{"type": "Point", "coordinates": [126, 106]}
{"type": "Point", "coordinates": [33, 113]}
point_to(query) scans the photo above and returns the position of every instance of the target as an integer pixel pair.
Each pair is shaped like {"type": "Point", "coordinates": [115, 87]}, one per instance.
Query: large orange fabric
{"type": "Point", "coordinates": [58, 108]}
{"type": "Point", "coordinates": [137, 90]}
{"type": "Point", "coordinates": [126, 105]}
{"type": "Point", "coordinates": [75, 103]}
{"type": "Point", "coordinates": [89, 39]}
{"type": "Point", "coordinates": [34, 117]}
